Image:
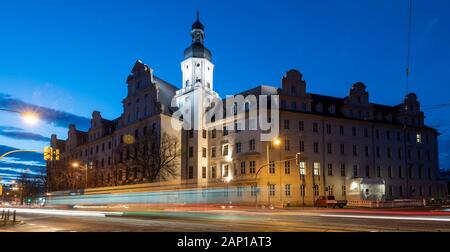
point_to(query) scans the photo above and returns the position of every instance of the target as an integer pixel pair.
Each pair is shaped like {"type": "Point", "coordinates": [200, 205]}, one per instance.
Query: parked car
{"type": "Point", "coordinates": [330, 201]}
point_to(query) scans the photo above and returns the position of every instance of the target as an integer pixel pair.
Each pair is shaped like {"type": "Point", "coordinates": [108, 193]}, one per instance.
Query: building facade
{"type": "Point", "coordinates": [324, 142]}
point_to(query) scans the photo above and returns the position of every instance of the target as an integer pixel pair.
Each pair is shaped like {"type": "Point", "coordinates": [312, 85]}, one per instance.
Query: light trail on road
{"type": "Point", "coordinates": [385, 217]}
{"type": "Point", "coordinates": [73, 213]}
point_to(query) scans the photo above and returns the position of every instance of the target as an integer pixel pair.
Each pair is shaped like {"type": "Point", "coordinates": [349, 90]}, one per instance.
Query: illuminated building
{"type": "Point", "coordinates": [339, 139]}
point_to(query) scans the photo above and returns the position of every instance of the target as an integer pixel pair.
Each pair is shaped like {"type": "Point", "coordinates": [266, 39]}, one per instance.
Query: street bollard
{"type": "Point", "coordinates": [3, 213]}
{"type": "Point", "coordinates": [14, 216]}
{"type": "Point", "coordinates": [7, 216]}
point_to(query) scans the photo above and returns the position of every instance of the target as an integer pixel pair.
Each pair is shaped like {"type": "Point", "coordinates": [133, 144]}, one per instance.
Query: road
{"type": "Point", "coordinates": [229, 220]}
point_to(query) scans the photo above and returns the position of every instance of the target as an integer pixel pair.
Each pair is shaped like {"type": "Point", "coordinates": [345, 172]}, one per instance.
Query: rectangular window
{"type": "Point", "coordinates": [377, 134]}
{"type": "Point", "coordinates": [191, 172]}
{"type": "Point", "coordinates": [316, 147]}
{"type": "Point", "coordinates": [315, 127]}
{"type": "Point", "coordinates": [302, 166]}
{"type": "Point", "coordinates": [420, 171]}
{"type": "Point", "coordinates": [286, 124]}
{"type": "Point", "coordinates": [254, 191]}
{"type": "Point", "coordinates": [243, 170]}
{"type": "Point", "coordinates": [341, 130]}
{"type": "Point", "coordinates": [378, 152]}
{"type": "Point", "coordinates": [252, 167]}
{"type": "Point", "coordinates": [191, 133]}
{"type": "Point", "coordinates": [225, 150]}
{"type": "Point", "coordinates": [203, 172]}
{"type": "Point", "coordinates": [226, 171]}
{"type": "Point", "coordinates": [287, 167]}
{"type": "Point", "coordinates": [328, 129]}
{"type": "Point", "coordinates": [379, 171]}
{"type": "Point", "coordinates": [287, 190]}
{"type": "Point", "coordinates": [204, 134]}
{"type": "Point", "coordinates": [389, 153]}
{"type": "Point", "coordinates": [330, 148]}
{"type": "Point", "coordinates": [316, 169]}
{"type": "Point", "coordinates": [342, 149]}
{"type": "Point", "coordinates": [252, 145]}
{"type": "Point", "coordinates": [225, 131]}
{"type": "Point", "coordinates": [366, 150]}
{"type": "Point", "coordinates": [316, 190]}
{"type": "Point", "coordinates": [301, 126]}
{"type": "Point", "coordinates": [344, 190]}
{"type": "Point", "coordinates": [410, 171]}
{"type": "Point", "coordinates": [390, 172]}
{"type": "Point", "coordinates": [191, 152]}
{"type": "Point", "coordinates": [400, 172]}
{"type": "Point", "coordinates": [302, 146]}
{"type": "Point", "coordinates": [343, 170]}
{"type": "Point", "coordinates": [302, 190]}
{"type": "Point", "coordinates": [367, 171]}
{"type": "Point", "coordinates": [388, 135]}
{"type": "Point", "coordinates": [419, 138]}
{"type": "Point", "coordinates": [214, 134]}
{"type": "Point", "coordinates": [238, 147]}
{"type": "Point", "coordinates": [204, 152]}
{"type": "Point", "coordinates": [240, 191]}
{"type": "Point", "coordinates": [399, 153]}
{"type": "Point", "coordinates": [355, 171]}
{"type": "Point", "coordinates": [355, 150]}
{"type": "Point", "coordinates": [287, 145]}
{"type": "Point", "coordinates": [366, 132]}
{"type": "Point", "coordinates": [213, 152]}
{"type": "Point", "coordinates": [272, 190]}
{"type": "Point", "coordinates": [354, 131]}
{"type": "Point", "coordinates": [272, 167]}
{"type": "Point", "coordinates": [330, 169]}
{"type": "Point", "coordinates": [214, 172]}
{"type": "Point", "coordinates": [429, 173]}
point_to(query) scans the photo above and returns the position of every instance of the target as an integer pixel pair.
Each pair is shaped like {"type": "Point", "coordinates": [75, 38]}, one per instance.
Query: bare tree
{"type": "Point", "coordinates": [155, 157]}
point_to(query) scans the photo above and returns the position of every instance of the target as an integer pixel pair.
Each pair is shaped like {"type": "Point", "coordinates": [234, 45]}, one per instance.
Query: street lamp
{"type": "Point", "coordinates": [275, 142]}
{"type": "Point", "coordinates": [85, 166]}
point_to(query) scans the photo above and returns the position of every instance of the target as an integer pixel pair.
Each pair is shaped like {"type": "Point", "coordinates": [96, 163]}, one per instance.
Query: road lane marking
{"type": "Point", "coordinates": [385, 217]}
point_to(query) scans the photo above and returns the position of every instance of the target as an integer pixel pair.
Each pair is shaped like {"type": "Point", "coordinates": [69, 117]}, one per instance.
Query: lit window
{"type": "Point", "coordinates": [419, 138]}
{"type": "Point", "coordinates": [316, 169]}
{"type": "Point", "coordinates": [302, 168]}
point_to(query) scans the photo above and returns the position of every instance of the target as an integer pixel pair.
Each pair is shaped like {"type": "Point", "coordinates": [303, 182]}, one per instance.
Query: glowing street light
{"type": "Point", "coordinates": [75, 165]}
{"type": "Point", "coordinates": [277, 142]}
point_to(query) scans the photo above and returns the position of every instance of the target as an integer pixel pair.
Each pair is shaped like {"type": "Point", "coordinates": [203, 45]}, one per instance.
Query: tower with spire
{"type": "Point", "coordinates": [197, 90]}
{"type": "Point", "coordinates": [197, 68]}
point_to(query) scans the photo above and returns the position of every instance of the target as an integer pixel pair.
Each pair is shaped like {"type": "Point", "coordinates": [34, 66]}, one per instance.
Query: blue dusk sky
{"type": "Point", "coordinates": [73, 57]}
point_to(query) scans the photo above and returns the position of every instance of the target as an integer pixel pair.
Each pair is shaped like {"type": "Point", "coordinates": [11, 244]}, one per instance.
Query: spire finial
{"type": "Point", "coordinates": [198, 15]}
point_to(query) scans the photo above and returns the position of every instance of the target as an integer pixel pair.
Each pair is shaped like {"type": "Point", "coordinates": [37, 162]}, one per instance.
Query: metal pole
{"type": "Point", "coordinates": [86, 186]}
{"type": "Point", "coordinates": [14, 216]}
{"type": "Point", "coordinates": [268, 171]}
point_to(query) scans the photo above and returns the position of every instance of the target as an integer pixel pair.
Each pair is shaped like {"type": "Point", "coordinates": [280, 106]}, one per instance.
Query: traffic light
{"type": "Point", "coordinates": [51, 154]}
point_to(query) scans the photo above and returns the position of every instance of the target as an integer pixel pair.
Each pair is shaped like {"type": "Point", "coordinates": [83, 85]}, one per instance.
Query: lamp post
{"type": "Point", "coordinates": [275, 142]}
{"type": "Point", "coordinates": [86, 168]}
